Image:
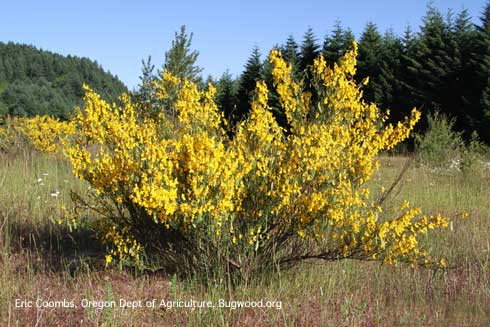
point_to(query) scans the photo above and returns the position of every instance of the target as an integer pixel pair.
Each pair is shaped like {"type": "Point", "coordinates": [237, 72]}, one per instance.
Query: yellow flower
{"type": "Point", "coordinates": [442, 262]}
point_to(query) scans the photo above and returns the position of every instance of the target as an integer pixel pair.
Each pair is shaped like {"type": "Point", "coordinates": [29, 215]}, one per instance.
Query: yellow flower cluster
{"type": "Point", "coordinates": [4, 134]}
{"type": "Point", "coordinates": [330, 155]}
{"type": "Point", "coordinates": [179, 168]}
{"type": "Point", "coordinates": [125, 247]}
{"type": "Point", "coordinates": [46, 133]}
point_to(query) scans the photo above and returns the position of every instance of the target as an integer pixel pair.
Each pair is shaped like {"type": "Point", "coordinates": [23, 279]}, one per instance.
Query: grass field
{"type": "Point", "coordinates": [41, 258]}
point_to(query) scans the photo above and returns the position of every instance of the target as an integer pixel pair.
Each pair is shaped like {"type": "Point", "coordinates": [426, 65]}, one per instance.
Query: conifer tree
{"type": "Point", "coordinates": [204, 84]}
{"type": "Point", "coordinates": [430, 62]}
{"type": "Point", "coordinates": [144, 94]}
{"type": "Point", "coordinates": [291, 55]}
{"type": "Point", "coordinates": [403, 51]}
{"type": "Point", "coordinates": [349, 38]}
{"type": "Point", "coordinates": [390, 66]}
{"type": "Point", "coordinates": [438, 65]}
{"type": "Point", "coordinates": [369, 64]}
{"type": "Point", "coordinates": [308, 53]}
{"type": "Point", "coordinates": [463, 44]}
{"type": "Point", "coordinates": [337, 43]}
{"type": "Point", "coordinates": [290, 50]}
{"type": "Point", "coordinates": [309, 50]}
{"type": "Point", "coordinates": [226, 96]}
{"type": "Point", "coordinates": [180, 60]}
{"type": "Point", "coordinates": [246, 86]}
{"type": "Point", "coordinates": [406, 78]}
{"type": "Point", "coordinates": [480, 63]}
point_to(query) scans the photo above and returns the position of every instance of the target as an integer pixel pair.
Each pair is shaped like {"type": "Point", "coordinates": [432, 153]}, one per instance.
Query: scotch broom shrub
{"type": "Point", "coordinates": [11, 139]}
{"type": "Point", "coordinates": [43, 133]}
{"type": "Point", "coordinates": [172, 190]}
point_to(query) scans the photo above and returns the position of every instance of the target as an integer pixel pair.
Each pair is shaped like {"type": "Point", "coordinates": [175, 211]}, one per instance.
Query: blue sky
{"type": "Point", "coordinates": [118, 34]}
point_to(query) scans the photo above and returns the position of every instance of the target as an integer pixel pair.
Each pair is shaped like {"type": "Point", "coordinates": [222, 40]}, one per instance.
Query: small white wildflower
{"type": "Point", "coordinates": [455, 164]}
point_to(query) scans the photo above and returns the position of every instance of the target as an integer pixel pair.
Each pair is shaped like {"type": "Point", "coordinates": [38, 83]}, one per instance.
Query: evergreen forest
{"type": "Point", "coordinates": [37, 82]}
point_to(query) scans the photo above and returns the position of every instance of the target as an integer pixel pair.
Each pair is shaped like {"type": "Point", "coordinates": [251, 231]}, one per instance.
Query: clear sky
{"type": "Point", "coordinates": [118, 34]}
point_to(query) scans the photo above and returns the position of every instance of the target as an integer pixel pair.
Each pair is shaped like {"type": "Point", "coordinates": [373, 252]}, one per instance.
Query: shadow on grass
{"type": "Point", "coordinates": [54, 248]}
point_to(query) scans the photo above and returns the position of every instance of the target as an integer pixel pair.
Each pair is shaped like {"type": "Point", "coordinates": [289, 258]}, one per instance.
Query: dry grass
{"type": "Point", "coordinates": [41, 259]}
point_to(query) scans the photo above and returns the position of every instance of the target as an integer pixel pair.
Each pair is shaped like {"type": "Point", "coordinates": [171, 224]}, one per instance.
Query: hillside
{"type": "Point", "coordinates": [34, 81]}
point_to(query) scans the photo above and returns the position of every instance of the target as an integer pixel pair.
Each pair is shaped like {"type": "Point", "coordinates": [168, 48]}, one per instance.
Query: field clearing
{"type": "Point", "coordinates": [41, 258]}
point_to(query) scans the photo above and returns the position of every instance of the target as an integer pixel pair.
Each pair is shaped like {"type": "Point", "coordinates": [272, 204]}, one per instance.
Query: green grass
{"type": "Point", "coordinates": [41, 258]}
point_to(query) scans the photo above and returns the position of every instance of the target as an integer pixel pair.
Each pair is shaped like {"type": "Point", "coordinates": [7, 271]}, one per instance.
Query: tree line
{"type": "Point", "coordinates": [444, 67]}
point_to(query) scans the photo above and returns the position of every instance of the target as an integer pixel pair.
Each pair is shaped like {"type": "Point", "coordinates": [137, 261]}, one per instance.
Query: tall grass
{"type": "Point", "coordinates": [41, 258]}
